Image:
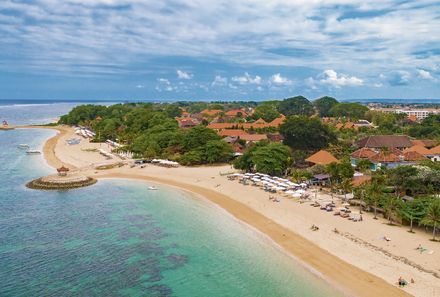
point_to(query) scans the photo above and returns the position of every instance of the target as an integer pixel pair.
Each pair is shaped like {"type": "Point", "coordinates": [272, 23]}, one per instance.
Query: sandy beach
{"type": "Point", "coordinates": [356, 259]}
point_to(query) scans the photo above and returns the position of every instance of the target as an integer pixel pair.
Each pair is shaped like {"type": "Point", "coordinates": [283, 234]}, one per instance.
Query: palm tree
{"type": "Point", "coordinates": [391, 204]}
{"type": "Point", "coordinates": [412, 210]}
{"type": "Point", "coordinates": [375, 190]}
{"type": "Point", "coordinates": [346, 186]}
{"type": "Point", "coordinates": [432, 217]}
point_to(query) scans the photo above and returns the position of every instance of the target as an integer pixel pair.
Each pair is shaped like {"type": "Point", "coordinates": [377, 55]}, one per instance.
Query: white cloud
{"type": "Point", "coordinates": [246, 79]}
{"type": "Point", "coordinates": [277, 79]}
{"type": "Point", "coordinates": [164, 85]}
{"type": "Point", "coordinates": [184, 75]}
{"type": "Point", "coordinates": [140, 86]}
{"type": "Point", "coordinates": [103, 37]}
{"type": "Point", "coordinates": [334, 79]}
{"type": "Point", "coordinates": [219, 81]}
{"type": "Point", "coordinates": [425, 74]}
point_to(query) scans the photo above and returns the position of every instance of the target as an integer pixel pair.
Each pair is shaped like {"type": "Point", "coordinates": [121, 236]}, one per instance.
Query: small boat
{"type": "Point", "coordinates": [33, 152]}
{"type": "Point", "coordinates": [23, 146]}
{"type": "Point", "coordinates": [152, 188]}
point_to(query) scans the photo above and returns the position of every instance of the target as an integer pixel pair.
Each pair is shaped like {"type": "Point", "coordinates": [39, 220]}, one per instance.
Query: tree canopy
{"type": "Point", "coordinates": [270, 158]}
{"type": "Point", "coordinates": [267, 111]}
{"type": "Point", "coordinates": [324, 104]}
{"type": "Point", "coordinates": [348, 110]}
{"type": "Point", "coordinates": [298, 105]}
{"type": "Point", "coordinates": [304, 133]}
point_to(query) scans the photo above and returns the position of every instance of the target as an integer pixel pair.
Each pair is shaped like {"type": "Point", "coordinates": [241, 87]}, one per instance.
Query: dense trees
{"type": "Point", "coordinates": [428, 128]}
{"type": "Point", "coordinates": [270, 158]}
{"type": "Point", "coordinates": [304, 133]}
{"type": "Point", "coordinates": [324, 104]}
{"type": "Point", "coordinates": [151, 132]}
{"type": "Point", "coordinates": [298, 105]}
{"type": "Point", "coordinates": [267, 111]}
{"type": "Point", "coordinates": [432, 216]}
{"type": "Point", "coordinates": [348, 110]}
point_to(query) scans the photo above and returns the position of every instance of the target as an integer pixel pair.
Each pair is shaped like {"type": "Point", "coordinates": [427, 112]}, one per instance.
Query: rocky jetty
{"type": "Point", "coordinates": [57, 182]}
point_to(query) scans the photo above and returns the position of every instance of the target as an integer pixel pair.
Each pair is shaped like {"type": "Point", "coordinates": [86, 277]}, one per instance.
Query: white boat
{"type": "Point", "coordinates": [152, 188]}
{"type": "Point", "coordinates": [23, 146]}
{"type": "Point", "coordinates": [33, 152]}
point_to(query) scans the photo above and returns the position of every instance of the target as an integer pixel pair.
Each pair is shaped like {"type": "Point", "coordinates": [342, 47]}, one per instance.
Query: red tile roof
{"type": "Point", "coordinates": [419, 149]}
{"type": "Point", "coordinates": [386, 157]}
{"type": "Point", "coordinates": [391, 141]}
{"type": "Point", "coordinates": [424, 142]}
{"type": "Point", "coordinates": [260, 121]}
{"type": "Point", "coordinates": [211, 112]}
{"type": "Point", "coordinates": [360, 180]}
{"type": "Point", "coordinates": [253, 137]}
{"type": "Point", "coordinates": [232, 132]}
{"type": "Point", "coordinates": [322, 158]}
{"type": "Point", "coordinates": [278, 121]}
{"type": "Point", "coordinates": [363, 153]}
{"type": "Point", "coordinates": [235, 113]}
{"type": "Point", "coordinates": [413, 156]}
{"type": "Point", "coordinates": [218, 126]}
{"type": "Point", "coordinates": [435, 150]}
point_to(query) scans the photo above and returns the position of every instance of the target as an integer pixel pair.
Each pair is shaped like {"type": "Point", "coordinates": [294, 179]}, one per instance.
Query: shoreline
{"type": "Point", "coordinates": [342, 275]}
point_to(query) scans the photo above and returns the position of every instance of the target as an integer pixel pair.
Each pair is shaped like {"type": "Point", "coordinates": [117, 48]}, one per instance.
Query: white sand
{"type": "Point", "coordinates": [294, 218]}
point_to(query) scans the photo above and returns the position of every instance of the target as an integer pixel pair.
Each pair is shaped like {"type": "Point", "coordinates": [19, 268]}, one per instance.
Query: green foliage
{"type": "Point", "coordinates": [267, 111]}
{"type": "Point", "coordinates": [339, 172]}
{"type": "Point", "coordinates": [412, 210]}
{"type": "Point", "coordinates": [364, 165]}
{"type": "Point", "coordinates": [298, 105]}
{"type": "Point", "coordinates": [375, 191]}
{"type": "Point", "coordinates": [300, 175]}
{"type": "Point", "coordinates": [270, 158]}
{"type": "Point", "coordinates": [173, 110]}
{"type": "Point", "coordinates": [349, 110]}
{"type": "Point", "coordinates": [324, 104]}
{"type": "Point", "coordinates": [428, 128]}
{"type": "Point", "coordinates": [432, 216]}
{"type": "Point", "coordinates": [304, 133]}
{"type": "Point", "coordinates": [82, 114]}
{"type": "Point", "coordinates": [403, 179]}
{"type": "Point", "coordinates": [198, 136]}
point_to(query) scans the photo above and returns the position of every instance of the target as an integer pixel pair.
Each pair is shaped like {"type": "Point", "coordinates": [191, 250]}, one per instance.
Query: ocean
{"type": "Point", "coordinates": [116, 238]}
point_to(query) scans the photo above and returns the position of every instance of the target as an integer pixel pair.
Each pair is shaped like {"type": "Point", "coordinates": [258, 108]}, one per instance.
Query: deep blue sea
{"type": "Point", "coordinates": [116, 238]}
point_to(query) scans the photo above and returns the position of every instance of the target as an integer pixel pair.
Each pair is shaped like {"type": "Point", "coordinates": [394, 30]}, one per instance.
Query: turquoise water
{"type": "Point", "coordinates": [118, 239]}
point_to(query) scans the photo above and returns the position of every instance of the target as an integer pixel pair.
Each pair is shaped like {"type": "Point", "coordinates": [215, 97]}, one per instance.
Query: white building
{"type": "Point", "coordinates": [420, 114]}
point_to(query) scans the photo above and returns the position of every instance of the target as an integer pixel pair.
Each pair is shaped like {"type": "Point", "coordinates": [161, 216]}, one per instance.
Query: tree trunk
{"type": "Point", "coordinates": [375, 211]}
{"type": "Point", "coordinates": [433, 232]}
{"type": "Point", "coordinates": [411, 225]}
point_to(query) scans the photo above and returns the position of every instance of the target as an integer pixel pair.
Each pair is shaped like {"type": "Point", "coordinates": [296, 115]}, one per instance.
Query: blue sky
{"type": "Point", "coordinates": [198, 49]}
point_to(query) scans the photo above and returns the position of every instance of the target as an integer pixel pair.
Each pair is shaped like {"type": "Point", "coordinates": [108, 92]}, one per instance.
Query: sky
{"type": "Point", "coordinates": [219, 50]}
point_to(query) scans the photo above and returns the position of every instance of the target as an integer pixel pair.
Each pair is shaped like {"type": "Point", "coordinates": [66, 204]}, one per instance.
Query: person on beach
{"type": "Point", "coordinates": [402, 282]}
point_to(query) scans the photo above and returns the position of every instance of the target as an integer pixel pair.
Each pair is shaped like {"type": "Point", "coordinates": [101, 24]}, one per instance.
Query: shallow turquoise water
{"type": "Point", "coordinates": [118, 239]}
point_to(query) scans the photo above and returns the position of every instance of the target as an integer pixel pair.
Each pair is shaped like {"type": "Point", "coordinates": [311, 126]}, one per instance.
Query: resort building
{"type": "Point", "coordinates": [322, 158]}
{"type": "Point", "coordinates": [419, 114]}
{"type": "Point", "coordinates": [434, 154]}
{"type": "Point", "coordinates": [400, 142]}
{"type": "Point", "coordinates": [389, 158]}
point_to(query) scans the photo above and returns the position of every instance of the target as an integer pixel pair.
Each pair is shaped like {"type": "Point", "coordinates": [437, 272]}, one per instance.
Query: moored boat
{"type": "Point", "coordinates": [33, 152]}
